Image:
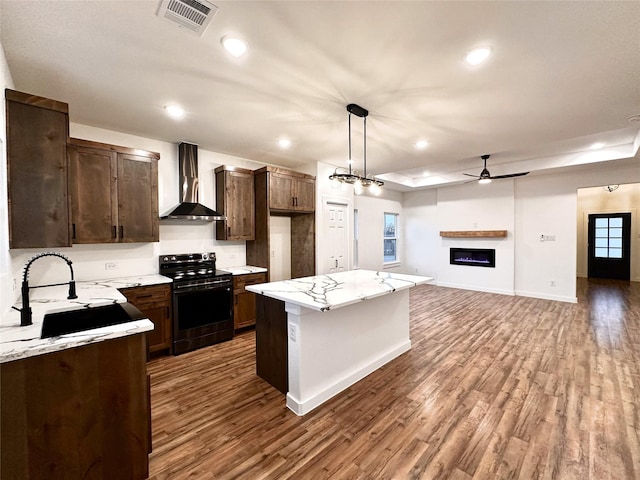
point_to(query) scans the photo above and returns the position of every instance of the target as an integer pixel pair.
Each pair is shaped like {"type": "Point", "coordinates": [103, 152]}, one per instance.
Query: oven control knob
{"type": "Point", "coordinates": [165, 259]}
{"type": "Point", "coordinates": [205, 256]}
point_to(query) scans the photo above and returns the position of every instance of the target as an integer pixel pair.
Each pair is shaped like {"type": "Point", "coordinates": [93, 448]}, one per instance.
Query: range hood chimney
{"type": "Point", "coordinates": [189, 208]}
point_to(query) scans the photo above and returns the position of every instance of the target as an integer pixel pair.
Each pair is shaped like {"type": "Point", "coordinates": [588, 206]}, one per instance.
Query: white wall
{"type": "Point", "coordinates": [6, 278]}
{"type": "Point", "coordinates": [598, 200]}
{"type": "Point", "coordinates": [546, 205]}
{"type": "Point", "coordinates": [280, 245]}
{"type": "Point", "coordinates": [371, 212]}
{"type": "Point", "coordinates": [421, 233]}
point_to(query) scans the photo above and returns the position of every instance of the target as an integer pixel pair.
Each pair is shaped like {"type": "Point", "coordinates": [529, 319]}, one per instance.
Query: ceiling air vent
{"type": "Point", "coordinates": [194, 15]}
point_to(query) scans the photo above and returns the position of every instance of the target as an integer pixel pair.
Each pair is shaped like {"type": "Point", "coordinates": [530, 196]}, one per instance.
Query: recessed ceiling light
{"type": "Point", "coordinates": [175, 111]}
{"type": "Point", "coordinates": [284, 143]}
{"type": "Point", "coordinates": [596, 146]}
{"type": "Point", "coordinates": [478, 55]}
{"type": "Point", "coordinates": [234, 46]}
{"type": "Point", "coordinates": [422, 144]}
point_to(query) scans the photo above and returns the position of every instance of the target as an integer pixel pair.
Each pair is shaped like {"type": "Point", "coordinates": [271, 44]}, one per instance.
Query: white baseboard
{"type": "Point", "coordinates": [545, 296]}
{"type": "Point", "coordinates": [303, 407]}
{"type": "Point", "coordinates": [475, 288]}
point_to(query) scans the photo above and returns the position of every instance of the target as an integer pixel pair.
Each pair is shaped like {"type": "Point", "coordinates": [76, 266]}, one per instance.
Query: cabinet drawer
{"type": "Point", "coordinates": [144, 296]}
{"type": "Point", "coordinates": [241, 281]}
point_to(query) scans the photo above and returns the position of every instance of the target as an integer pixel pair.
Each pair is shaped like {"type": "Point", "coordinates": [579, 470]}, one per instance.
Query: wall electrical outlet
{"type": "Point", "coordinates": [110, 266]}
{"type": "Point", "coordinates": [552, 283]}
{"type": "Point", "coordinates": [547, 238]}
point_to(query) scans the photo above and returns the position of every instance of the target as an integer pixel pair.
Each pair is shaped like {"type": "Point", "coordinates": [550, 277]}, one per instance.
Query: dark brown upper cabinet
{"type": "Point", "coordinates": [38, 203]}
{"type": "Point", "coordinates": [114, 193]}
{"type": "Point", "coordinates": [235, 198]}
{"type": "Point", "coordinates": [290, 191]}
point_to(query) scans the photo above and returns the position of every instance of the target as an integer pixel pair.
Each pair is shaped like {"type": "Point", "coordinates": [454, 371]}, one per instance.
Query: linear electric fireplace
{"type": "Point", "coordinates": [475, 257]}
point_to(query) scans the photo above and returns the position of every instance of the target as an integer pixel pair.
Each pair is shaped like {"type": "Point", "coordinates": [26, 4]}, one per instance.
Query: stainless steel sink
{"type": "Point", "coordinates": [72, 321]}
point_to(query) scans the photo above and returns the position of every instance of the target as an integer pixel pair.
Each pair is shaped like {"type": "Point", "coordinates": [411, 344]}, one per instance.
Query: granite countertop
{"type": "Point", "coordinates": [336, 290]}
{"type": "Point", "coordinates": [243, 269]}
{"type": "Point", "coordinates": [21, 342]}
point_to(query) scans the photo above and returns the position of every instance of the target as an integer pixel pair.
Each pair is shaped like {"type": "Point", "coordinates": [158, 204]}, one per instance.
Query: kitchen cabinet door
{"type": "Point", "coordinates": [155, 303]}
{"type": "Point", "coordinates": [304, 194]}
{"type": "Point", "coordinates": [94, 208]}
{"type": "Point", "coordinates": [244, 309]}
{"type": "Point", "coordinates": [235, 198]}
{"type": "Point", "coordinates": [38, 203]}
{"type": "Point", "coordinates": [137, 199]}
{"type": "Point", "coordinates": [280, 191]}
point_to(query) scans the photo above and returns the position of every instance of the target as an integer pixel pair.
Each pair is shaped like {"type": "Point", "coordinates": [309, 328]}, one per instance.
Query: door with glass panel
{"type": "Point", "coordinates": [610, 245]}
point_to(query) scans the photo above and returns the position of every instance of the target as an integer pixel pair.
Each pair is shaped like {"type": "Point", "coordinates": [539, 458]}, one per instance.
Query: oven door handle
{"type": "Point", "coordinates": [202, 286]}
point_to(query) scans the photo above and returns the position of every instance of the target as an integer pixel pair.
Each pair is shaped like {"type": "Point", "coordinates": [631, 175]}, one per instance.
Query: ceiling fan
{"type": "Point", "coordinates": [485, 176]}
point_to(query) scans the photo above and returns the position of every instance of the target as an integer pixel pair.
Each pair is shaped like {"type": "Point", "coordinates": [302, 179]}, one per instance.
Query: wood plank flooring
{"type": "Point", "coordinates": [494, 387]}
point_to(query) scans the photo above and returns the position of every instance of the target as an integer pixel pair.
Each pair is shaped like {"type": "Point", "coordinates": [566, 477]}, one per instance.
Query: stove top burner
{"type": "Point", "coordinates": [190, 266]}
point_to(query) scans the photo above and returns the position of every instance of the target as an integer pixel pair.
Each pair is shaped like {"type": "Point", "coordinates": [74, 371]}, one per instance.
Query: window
{"type": "Point", "coordinates": [390, 237]}
{"type": "Point", "coordinates": [608, 236]}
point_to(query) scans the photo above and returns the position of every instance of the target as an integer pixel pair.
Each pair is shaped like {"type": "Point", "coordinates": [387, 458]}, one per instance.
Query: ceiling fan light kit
{"type": "Point", "coordinates": [350, 176]}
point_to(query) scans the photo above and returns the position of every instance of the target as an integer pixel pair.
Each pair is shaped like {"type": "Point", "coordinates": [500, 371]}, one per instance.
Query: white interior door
{"type": "Point", "coordinates": [336, 240]}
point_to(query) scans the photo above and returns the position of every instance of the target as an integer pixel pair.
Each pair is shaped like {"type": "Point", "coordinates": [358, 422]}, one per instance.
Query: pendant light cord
{"type": "Point", "coordinates": [365, 147]}
{"type": "Point", "coordinates": [350, 161]}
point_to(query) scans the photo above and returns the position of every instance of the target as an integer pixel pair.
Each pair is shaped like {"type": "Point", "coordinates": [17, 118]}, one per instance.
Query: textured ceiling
{"type": "Point", "coordinates": [562, 76]}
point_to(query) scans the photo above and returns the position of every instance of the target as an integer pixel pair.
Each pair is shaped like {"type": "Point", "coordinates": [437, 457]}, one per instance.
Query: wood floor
{"type": "Point", "coordinates": [494, 387]}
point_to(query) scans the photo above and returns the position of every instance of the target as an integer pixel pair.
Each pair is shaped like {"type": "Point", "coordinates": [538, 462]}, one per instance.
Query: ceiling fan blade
{"type": "Point", "coordinates": [510, 175]}
{"type": "Point", "coordinates": [469, 175]}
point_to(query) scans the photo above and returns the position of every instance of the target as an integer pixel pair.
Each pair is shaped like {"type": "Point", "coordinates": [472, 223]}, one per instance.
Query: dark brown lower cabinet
{"type": "Point", "coordinates": [244, 308]}
{"type": "Point", "coordinates": [83, 412]}
{"type": "Point", "coordinates": [154, 301]}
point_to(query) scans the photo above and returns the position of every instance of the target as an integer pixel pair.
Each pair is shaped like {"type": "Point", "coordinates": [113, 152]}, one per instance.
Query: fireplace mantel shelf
{"type": "Point", "coordinates": [473, 233]}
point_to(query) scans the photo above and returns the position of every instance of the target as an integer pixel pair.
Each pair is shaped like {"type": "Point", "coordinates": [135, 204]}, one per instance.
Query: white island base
{"type": "Point", "coordinates": [316, 336]}
{"type": "Point", "coordinates": [330, 351]}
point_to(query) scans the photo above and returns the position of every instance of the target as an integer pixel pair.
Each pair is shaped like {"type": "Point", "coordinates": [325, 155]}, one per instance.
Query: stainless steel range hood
{"type": "Point", "coordinates": [189, 208]}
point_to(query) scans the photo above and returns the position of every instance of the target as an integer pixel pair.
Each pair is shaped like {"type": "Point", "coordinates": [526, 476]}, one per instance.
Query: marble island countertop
{"type": "Point", "coordinates": [336, 290]}
{"type": "Point", "coordinates": [20, 342]}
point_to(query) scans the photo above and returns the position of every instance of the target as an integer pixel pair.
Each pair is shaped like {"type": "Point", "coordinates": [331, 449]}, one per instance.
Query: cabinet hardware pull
{"type": "Point", "coordinates": [228, 231]}
{"type": "Point", "coordinates": [73, 229]}
{"type": "Point", "coordinates": [121, 231]}
{"type": "Point", "coordinates": [336, 263]}
{"type": "Point", "coordinates": [114, 232]}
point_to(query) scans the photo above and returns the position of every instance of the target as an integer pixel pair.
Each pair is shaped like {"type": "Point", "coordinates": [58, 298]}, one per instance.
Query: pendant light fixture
{"type": "Point", "coordinates": [351, 176]}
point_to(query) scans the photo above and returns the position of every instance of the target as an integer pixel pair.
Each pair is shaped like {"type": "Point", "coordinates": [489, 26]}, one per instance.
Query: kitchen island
{"type": "Point", "coordinates": [316, 336]}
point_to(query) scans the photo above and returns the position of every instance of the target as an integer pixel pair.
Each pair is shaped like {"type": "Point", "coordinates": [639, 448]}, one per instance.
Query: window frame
{"type": "Point", "coordinates": [395, 237]}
